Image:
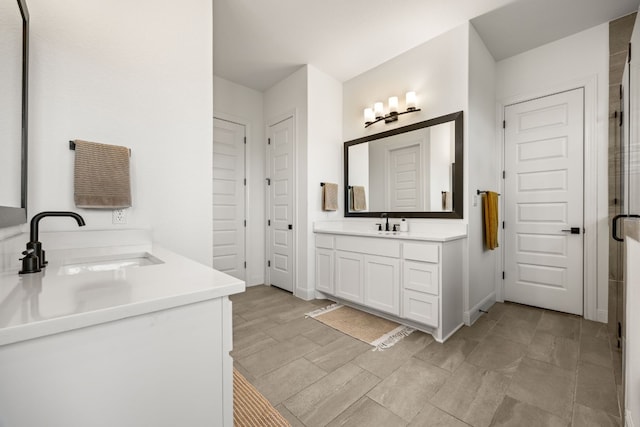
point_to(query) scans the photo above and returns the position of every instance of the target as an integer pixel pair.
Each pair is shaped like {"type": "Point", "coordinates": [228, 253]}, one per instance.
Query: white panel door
{"type": "Point", "coordinates": [228, 198]}
{"type": "Point", "coordinates": [281, 207]}
{"type": "Point", "coordinates": [324, 270]}
{"type": "Point", "coordinates": [544, 201]}
{"type": "Point", "coordinates": [406, 187]}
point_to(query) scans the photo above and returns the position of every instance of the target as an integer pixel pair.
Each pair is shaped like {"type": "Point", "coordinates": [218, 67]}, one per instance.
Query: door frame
{"type": "Point", "coordinates": [590, 188]}
{"type": "Point", "coordinates": [290, 114]}
{"type": "Point", "coordinates": [247, 212]}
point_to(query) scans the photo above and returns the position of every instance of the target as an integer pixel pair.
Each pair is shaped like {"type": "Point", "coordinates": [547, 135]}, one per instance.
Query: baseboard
{"type": "Point", "coordinates": [305, 294]}
{"type": "Point", "coordinates": [470, 317]}
{"type": "Point", "coordinates": [602, 316]}
{"type": "Point", "coordinates": [628, 421]}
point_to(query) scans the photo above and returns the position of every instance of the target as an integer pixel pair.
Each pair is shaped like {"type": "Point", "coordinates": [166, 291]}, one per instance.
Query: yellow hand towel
{"type": "Point", "coordinates": [330, 197]}
{"type": "Point", "coordinates": [101, 176]}
{"type": "Point", "coordinates": [490, 208]}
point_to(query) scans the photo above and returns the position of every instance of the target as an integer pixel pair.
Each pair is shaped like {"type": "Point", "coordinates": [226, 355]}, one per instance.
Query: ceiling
{"type": "Point", "coordinates": [257, 43]}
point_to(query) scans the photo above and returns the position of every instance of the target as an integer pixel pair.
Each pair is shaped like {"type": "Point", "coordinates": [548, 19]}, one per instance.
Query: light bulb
{"type": "Point", "coordinates": [411, 101]}
{"type": "Point", "coordinates": [393, 105]}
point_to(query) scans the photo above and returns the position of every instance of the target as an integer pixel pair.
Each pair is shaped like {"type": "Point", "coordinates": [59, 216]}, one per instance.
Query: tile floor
{"type": "Point", "coordinates": [516, 366]}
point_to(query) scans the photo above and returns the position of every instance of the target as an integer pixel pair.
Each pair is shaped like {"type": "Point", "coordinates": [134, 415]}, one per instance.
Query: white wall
{"type": "Point", "coordinates": [135, 74]}
{"type": "Point", "coordinates": [242, 105]}
{"type": "Point", "coordinates": [324, 154]}
{"type": "Point", "coordinates": [483, 170]}
{"type": "Point", "coordinates": [563, 65]}
{"type": "Point", "coordinates": [436, 71]}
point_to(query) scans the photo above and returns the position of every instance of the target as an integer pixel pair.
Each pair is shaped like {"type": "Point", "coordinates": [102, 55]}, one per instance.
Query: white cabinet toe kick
{"type": "Point", "coordinates": [416, 283]}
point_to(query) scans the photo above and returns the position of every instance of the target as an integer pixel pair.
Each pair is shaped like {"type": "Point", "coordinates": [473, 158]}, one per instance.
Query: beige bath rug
{"type": "Point", "coordinates": [251, 408]}
{"type": "Point", "coordinates": [376, 331]}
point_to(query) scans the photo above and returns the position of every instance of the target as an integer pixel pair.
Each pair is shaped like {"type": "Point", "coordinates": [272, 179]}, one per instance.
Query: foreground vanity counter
{"type": "Point", "coordinates": [414, 278]}
{"type": "Point", "coordinates": [93, 340]}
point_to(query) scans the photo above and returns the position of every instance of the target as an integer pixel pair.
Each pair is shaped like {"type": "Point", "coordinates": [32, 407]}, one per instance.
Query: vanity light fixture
{"type": "Point", "coordinates": [376, 114]}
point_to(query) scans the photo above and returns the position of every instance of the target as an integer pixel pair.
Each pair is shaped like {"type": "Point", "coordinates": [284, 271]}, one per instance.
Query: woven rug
{"type": "Point", "coordinates": [376, 331]}
{"type": "Point", "coordinates": [250, 408]}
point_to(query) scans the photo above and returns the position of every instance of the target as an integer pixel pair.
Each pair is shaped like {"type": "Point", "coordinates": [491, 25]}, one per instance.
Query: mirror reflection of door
{"type": "Point", "coordinates": [405, 191]}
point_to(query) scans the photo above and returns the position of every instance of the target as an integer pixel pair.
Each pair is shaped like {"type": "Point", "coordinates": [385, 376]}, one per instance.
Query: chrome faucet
{"type": "Point", "coordinates": [34, 259]}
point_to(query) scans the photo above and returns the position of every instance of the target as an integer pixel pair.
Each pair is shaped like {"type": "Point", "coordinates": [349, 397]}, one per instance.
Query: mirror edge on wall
{"type": "Point", "coordinates": [458, 184]}
{"type": "Point", "coordinates": [10, 215]}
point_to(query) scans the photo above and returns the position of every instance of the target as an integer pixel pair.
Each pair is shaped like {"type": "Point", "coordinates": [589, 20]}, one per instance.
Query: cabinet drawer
{"type": "Point", "coordinates": [324, 241]}
{"type": "Point", "coordinates": [422, 252]}
{"type": "Point", "coordinates": [366, 245]}
{"type": "Point", "coordinates": [420, 307]}
{"type": "Point", "coordinates": [421, 277]}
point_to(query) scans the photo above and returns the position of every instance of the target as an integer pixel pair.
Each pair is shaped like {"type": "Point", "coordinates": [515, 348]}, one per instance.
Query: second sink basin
{"type": "Point", "coordinates": [107, 263]}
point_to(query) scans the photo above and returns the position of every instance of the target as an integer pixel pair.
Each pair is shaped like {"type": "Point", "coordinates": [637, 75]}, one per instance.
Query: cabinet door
{"type": "Point", "coordinates": [420, 307]}
{"type": "Point", "coordinates": [324, 270]}
{"type": "Point", "coordinates": [382, 283]}
{"type": "Point", "coordinates": [349, 276]}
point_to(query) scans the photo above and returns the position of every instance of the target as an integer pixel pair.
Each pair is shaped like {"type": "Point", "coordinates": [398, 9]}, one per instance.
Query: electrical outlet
{"type": "Point", "coordinates": [119, 216]}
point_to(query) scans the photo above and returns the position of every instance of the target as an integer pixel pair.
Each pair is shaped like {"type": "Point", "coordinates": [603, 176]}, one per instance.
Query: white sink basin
{"type": "Point", "coordinates": [107, 263]}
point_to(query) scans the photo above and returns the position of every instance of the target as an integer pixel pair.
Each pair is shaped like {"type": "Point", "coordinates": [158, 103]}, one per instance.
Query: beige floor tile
{"type": "Point", "coordinates": [515, 329]}
{"type": "Point", "coordinates": [449, 355]}
{"type": "Point", "coordinates": [472, 394]}
{"type": "Point", "coordinates": [596, 388]}
{"type": "Point", "coordinates": [432, 416]}
{"type": "Point", "coordinates": [513, 413]}
{"type": "Point", "coordinates": [558, 351]}
{"type": "Point", "coordinates": [249, 328]}
{"type": "Point", "coordinates": [543, 385]}
{"type": "Point", "coordinates": [594, 329]}
{"type": "Point", "coordinates": [560, 325]}
{"type": "Point", "coordinates": [274, 357]}
{"type": "Point", "coordinates": [584, 416]}
{"type": "Point", "coordinates": [324, 400]}
{"type": "Point", "coordinates": [323, 335]}
{"type": "Point", "coordinates": [384, 363]}
{"type": "Point", "coordinates": [293, 420]}
{"type": "Point", "coordinates": [496, 311]}
{"type": "Point", "coordinates": [407, 390]}
{"type": "Point", "coordinates": [243, 371]}
{"type": "Point", "coordinates": [596, 351]}
{"type": "Point", "coordinates": [523, 312]}
{"type": "Point", "coordinates": [366, 412]}
{"type": "Point", "coordinates": [260, 342]}
{"type": "Point", "coordinates": [286, 381]}
{"type": "Point", "coordinates": [497, 353]}
{"type": "Point", "coordinates": [299, 326]}
{"type": "Point", "coordinates": [337, 353]}
{"type": "Point", "coordinates": [477, 331]}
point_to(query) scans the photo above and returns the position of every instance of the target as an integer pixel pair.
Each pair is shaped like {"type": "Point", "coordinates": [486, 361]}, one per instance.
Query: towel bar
{"type": "Point", "coordinates": [484, 191]}
{"type": "Point", "coordinates": [72, 146]}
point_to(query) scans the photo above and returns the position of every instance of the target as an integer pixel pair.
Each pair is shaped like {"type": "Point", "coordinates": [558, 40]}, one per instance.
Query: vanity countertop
{"type": "Point", "coordinates": [50, 302]}
{"type": "Point", "coordinates": [435, 235]}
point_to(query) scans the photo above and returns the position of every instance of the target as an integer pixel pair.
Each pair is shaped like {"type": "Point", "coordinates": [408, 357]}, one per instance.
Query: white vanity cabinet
{"type": "Point", "coordinates": [413, 281]}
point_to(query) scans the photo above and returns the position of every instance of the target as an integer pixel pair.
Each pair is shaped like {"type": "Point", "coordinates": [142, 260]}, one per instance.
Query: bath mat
{"type": "Point", "coordinates": [376, 331]}
{"type": "Point", "coordinates": [251, 408]}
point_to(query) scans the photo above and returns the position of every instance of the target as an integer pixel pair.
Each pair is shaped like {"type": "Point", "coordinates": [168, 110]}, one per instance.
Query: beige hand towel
{"type": "Point", "coordinates": [358, 198]}
{"type": "Point", "coordinates": [101, 176]}
{"type": "Point", "coordinates": [330, 197]}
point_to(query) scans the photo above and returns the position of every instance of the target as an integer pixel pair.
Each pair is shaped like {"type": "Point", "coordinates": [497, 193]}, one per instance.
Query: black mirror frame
{"type": "Point", "coordinates": [11, 216]}
{"type": "Point", "coordinates": [458, 175]}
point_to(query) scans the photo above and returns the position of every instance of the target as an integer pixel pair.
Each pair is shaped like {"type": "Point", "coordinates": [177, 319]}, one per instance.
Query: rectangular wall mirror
{"type": "Point", "coordinates": [14, 54]}
{"type": "Point", "coordinates": [413, 171]}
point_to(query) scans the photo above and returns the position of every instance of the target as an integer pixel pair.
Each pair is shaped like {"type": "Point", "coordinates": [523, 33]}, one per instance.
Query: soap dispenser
{"type": "Point", "coordinates": [404, 225]}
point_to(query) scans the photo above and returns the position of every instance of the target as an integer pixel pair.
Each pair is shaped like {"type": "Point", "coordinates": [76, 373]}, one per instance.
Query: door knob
{"type": "Point", "coordinates": [572, 230]}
